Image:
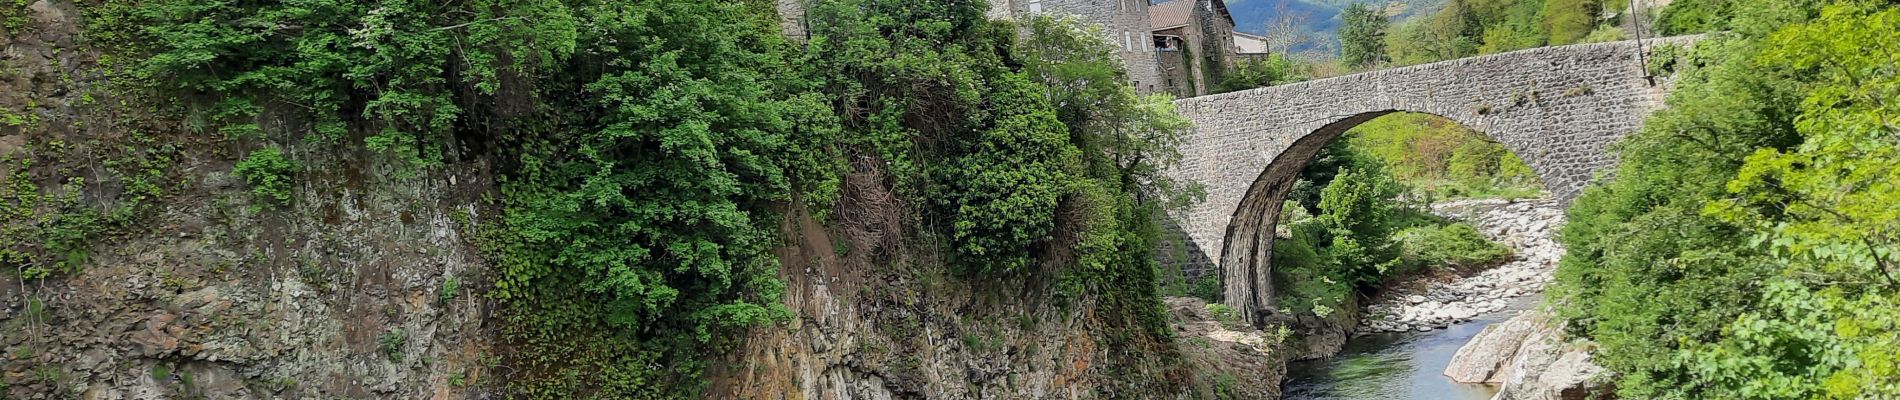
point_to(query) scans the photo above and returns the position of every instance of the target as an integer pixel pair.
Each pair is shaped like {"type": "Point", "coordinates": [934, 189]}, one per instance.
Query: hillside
{"type": "Point", "coordinates": [1317, 16]}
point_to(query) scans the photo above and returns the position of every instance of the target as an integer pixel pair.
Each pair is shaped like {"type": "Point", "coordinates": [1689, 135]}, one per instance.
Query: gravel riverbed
{"type": "Point", "coordinates": [1528, 227]}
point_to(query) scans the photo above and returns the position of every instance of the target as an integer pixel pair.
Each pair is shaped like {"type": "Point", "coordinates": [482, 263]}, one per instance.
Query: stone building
{"type": "Point", "coordinates": [1194, 44]}
{"type": "Point", "coordinates": [1124, 22]}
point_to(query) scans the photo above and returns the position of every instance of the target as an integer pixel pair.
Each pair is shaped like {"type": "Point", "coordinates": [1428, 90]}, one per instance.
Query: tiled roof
{"type": "Point", "coordinates": [1170, 14]}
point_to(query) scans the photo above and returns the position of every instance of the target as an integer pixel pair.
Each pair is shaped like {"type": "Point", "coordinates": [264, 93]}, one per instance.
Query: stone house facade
{"type": "Point", "coordinates": [1124, 22]}
{"type": "Point", "coordinates": [1194, 44]}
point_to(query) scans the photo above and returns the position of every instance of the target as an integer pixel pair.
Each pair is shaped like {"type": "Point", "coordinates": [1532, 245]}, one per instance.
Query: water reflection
{"type": "Point", "coordinates": [1394, 366]}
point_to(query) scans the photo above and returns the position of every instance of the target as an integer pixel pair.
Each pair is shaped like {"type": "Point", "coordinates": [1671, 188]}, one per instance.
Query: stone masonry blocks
{"type": "Point", "coordinates": [1558, 108]}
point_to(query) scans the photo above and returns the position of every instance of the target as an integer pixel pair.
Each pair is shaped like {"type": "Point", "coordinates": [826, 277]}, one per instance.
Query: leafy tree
{"type": "Point", "coordinates": [1088, 89]}
{"type": "Point", "coordinates": [1694, 16]}
{"type": "Point", "coordinates": [1362, 36]}
{"type": "Point", "coordinates": [638, 224]}
{"type": "Point", "coordinates": [1773, 285]}
{"type": "Point", "coordinates": [1453, 32]}
{"type": "Point", "coordinates": [1322, 169]}
{"type": "Point", "coordinates": [1008, 182]}
{"type": "Point", "coordinates": [1644, 270]}
{"type": "Point", "coordinates": [1827, 210]}
{"type": "Point", "coordinates": [1356, 210]}
{"type": "Point", "coordinates": [1569, 21]}
{"type": "Point", "coordinates": [1306, 281]}
{"type": "Point", "coordinates": [1439, 158]}
{"type": "Point", "coordinates": [395, 64]}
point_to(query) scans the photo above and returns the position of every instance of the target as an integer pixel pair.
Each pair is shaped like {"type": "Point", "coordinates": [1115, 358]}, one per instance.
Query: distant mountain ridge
{"type": "Point", "coordinates": [1319, 16]}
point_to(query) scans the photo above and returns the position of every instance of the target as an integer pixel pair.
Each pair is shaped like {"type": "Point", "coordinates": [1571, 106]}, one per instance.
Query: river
{"type": "Point", "coordinates": [1395, 366]}
{"type": "Point", "coordinates": [1410, 365]}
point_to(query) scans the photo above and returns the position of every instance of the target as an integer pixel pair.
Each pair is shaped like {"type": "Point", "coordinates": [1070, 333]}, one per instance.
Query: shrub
{"type": "Point", "coordinates": [1456, 245]}
{"type": "Point", "coordinates": [269, 174]}
{"type": "Point", "coordinates": [392, 343]}
{"type": "Point", "coordinates": [1005, 189]}
{"type": "Point", "coordinates": [1306, 281]}
{"type": "Point", "coordinates": [450, 287]}
{"type": "Point", "coordinates": [1356, 211]}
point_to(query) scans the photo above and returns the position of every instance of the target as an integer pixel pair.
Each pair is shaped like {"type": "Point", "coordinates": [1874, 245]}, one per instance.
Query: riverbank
{"type": "Point", "coordinates": [1399, 365]}
{"type": "Point", "coordinates": [1412, 340]}
{"type": "Point", "coordinates": [1528, 227]}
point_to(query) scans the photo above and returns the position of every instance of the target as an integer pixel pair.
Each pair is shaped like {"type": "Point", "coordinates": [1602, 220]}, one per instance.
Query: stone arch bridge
{"type": "Point", "coordinates": [1558, 108]}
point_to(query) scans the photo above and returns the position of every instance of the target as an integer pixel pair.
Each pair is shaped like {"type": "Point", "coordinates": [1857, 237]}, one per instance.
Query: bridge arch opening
{"type": "Point", "coordinates": [1256, 224]}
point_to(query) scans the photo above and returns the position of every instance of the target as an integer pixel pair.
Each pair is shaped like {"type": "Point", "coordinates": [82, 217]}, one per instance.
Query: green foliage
{"type": "Point", "coordinates": [1306, 281]}
{"type": "Point", "coordinates": [1362, 36]}
{"type": "Point", "coordinates": [392, 343]}
{"type": "Point", "coordinates": [1208, 288]}
{"type": "Point", "coordinates": [1222, 312]}
{"type": "Point", "coordinates": [1774, 285]}
{"type": "Point", "coordinates": [1455, 245]}
{"type": "Point", "coordinates": [1248, 74]}
{"type": "Point", "coordinates": [649, 147]}
{"type": "Point", "coordinates": [1605, 33]}
{"type": "Point", "coordinates": [1347, 245]}
{"type": "Point", "coordinates": [1321, 170]}
{"type": "Point", "coordinates": [1008, 183]}
{"type": "Point", "coordinates": [1570, 21]}
{"type": "Point", "coordinates": [14, 16]}
{"type": "Point", "coordinates": [1695, 16]}
{"type": "Point", "coordinates": [1832, 199]}
{"type": "Point", "coordinates": [1000, 153]}
{"type": "Point", "coordinates": [1356, 210]}
{"type": "Point", "coordinates": [1827, 211]}
{"type": "Point", "coordinates": [50, 215]}
{"type": "Point", "coordinates": [1427, 40]}
{"type": "Point", "coordinates": [48, 230]}
{"type": "Point", "coordinates": [269, 173]}
{"type": "Point", "coordinates": [1440, 159]}
{"type": "Point", "coordinates": [636, 231]}
{"type": "Point", "coordinates": [162, 372]}
{"type": "Point", "coordinates": [1520, 26]}
{"type": "Point", "coordinates": [394, 67]}
{"type": "Point", "coordinates": [1644, 271]}
{"type": "Point", "coordinates": [1464, 28]}
{"type": "Point", "coordinates": [450, 288]}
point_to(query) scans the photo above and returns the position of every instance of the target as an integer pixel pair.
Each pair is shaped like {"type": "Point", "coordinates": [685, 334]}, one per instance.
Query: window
{"type": "Point", "coordinates": [1123, 4]}
{"type": "Point", "coordinates": [1128, 41]}
{"type": "Point", "coordinates": [1035, 6]}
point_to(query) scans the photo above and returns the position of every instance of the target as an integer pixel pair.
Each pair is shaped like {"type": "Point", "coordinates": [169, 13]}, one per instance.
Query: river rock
{"type": "Point", "coordinates": [1481, 358]}
{"type": "Point", "coordinates": [1531, 358]}
{"type": "Point", "coordinates": [1528, 227]}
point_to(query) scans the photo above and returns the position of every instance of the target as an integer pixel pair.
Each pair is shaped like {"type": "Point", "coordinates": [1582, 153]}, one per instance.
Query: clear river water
{"type": "Point", "coordinates": [1395, 366]}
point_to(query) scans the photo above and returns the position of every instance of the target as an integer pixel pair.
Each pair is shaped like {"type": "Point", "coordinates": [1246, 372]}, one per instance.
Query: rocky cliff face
{"type": "Point", "coordinates": [879, 317]}
{"type": "Point", "coordinates": [360, 288]}
{"type": "Point", "coordinates": [215, 302]}
{"type": "Point", "coordinates": [367, 283]}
